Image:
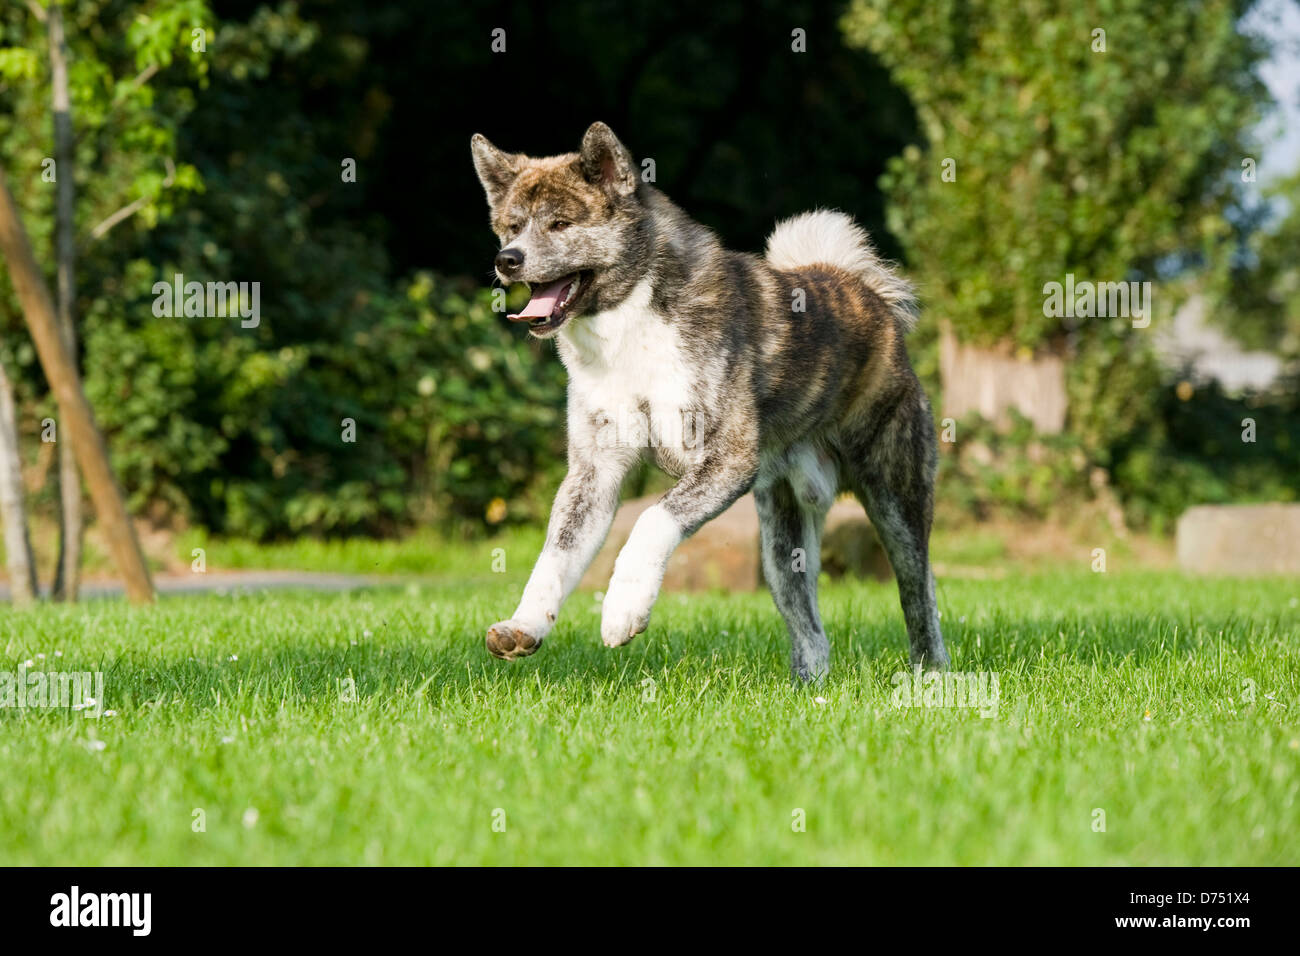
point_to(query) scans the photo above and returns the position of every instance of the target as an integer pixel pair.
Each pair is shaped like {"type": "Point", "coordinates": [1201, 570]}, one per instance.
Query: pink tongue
{"type": "Point", "coordinates": [542, 304]}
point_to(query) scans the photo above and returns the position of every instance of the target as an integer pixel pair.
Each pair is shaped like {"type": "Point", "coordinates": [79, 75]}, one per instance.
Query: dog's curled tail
{"type": "Point", "coordinates": [829, 237]}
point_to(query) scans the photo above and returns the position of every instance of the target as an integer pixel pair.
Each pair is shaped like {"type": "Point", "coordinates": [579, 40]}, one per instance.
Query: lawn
{"type": "Point", "coordinates": [372, 727]}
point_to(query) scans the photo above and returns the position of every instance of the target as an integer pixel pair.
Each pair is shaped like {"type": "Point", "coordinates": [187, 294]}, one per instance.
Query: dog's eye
{"type": "Point", "coordinates": [560, 225]}
{"type": "Point", "coordinates": [515, 227]}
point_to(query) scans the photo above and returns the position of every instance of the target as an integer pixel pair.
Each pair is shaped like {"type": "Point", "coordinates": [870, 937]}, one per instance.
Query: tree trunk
{"type": "Point", "coordinates": [992, 381]}
{"type": "Point", "coordinates": [67, 574]}
{"type": "Point", "coordinates": [75, 414]}
{"type": "Point", "coordinates": [18, 544]}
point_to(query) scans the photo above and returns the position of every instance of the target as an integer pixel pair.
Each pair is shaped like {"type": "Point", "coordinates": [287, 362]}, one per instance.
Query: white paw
{"type": "Point", "coordinates": [638, 572]}
{"type": "Point", "coordinates": [625, 612]}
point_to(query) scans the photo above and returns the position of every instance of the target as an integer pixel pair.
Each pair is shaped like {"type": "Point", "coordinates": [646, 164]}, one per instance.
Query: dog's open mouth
{"type": "Point", "coordinates": [552, 303]}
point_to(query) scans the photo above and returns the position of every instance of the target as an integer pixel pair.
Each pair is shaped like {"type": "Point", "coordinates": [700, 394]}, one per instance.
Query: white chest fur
{"type": "Point", "coordinates": [629, 372]}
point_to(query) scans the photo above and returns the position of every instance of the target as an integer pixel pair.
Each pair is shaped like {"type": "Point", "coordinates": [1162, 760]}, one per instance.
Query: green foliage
{"type": "Point", "coordinates": [130, 70]}
{"type": "Point", "coordinates": [155, 28]}
{"type": "Point", "coordinates": [1067, 158]}
{"type": "Point", "coordinates": [1194, 448]}
{"type": "Point", "coordinates": [1197, 452]}
{"type": "Point", "coordinates": [130, 66]}
{"type": "Point", "coordinates": [241, 430]}
{"type": "Point", "coordinates": [1113, 164]}
{"type": "Point", "coordinates": [1011, 471]}
{"type": "Point", "coordinates": [451, 409]}
{"type": "Point", "coordinates": [1261, 295]}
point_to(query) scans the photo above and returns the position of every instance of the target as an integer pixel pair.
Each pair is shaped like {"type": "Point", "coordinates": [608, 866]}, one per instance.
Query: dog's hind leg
{"type": "Point", "coordinates": [791, 532]}
{"type": "Point", "coordinates": [891, 460]}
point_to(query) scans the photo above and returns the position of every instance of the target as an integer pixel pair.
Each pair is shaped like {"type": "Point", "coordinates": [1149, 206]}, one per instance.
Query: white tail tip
{"type": "Point", "coordinates": [829, 237]}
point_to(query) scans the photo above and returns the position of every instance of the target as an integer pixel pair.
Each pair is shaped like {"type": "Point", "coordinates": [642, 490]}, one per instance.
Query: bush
{"type": "Point", "coordinates": [1196, 452]}
{"type": "Point", "coordinates": [1188, 447]}
{"type": "Point", "coordinates": [1012, 471]}
{"type": "Point", "coordinates": [452, 415]}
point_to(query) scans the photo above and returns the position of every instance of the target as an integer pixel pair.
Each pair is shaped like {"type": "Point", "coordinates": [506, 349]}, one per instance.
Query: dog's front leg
{"type": "Point", "coordinates": [703, 493]}
{"type": "Point", "coordinates": [580, 518]}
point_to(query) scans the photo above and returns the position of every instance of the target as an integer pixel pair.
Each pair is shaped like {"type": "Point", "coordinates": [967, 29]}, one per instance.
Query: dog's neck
{"type": "Point", "coordinates": [607, 339]}
{"type": "Point", "coordinates": [638, 336]}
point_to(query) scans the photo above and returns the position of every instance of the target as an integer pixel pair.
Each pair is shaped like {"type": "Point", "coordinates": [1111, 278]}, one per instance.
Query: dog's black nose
{"type": "Point", "coordinates": [509, 261]}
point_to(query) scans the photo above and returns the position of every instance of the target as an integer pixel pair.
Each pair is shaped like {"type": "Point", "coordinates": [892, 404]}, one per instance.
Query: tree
{"type": "Point", "coordinates": [1262, 292]}
{"type": "Point", "coordinates": [67, 576]}
{"type": "Point", "coordinates": [1092, 139]}
{"type": "Point", "coordinates": [124, 147]}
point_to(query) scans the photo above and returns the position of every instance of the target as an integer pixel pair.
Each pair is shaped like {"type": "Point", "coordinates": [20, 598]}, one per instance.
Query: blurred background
{"type": "Point", "coordinates": [992, 147]}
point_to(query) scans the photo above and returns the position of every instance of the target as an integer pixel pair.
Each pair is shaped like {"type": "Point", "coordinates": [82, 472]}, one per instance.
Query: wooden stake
{"type": "Point", "coordinates": [76, 419]}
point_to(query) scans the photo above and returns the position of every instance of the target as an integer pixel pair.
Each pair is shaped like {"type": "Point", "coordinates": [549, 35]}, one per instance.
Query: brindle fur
{"type": "Point", "coordinates": [795, 405]}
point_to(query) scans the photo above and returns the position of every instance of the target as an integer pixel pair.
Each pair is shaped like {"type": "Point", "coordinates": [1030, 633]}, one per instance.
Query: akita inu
{"type": "Point", "coordinates": [790, 369]}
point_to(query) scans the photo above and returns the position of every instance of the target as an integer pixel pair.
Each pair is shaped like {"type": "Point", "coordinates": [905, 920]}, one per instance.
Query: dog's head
{"type": "Point", "coordinates": [567, 224]}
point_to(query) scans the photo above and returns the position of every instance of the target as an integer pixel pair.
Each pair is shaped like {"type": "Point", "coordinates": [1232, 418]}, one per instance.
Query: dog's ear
{"type": "Point", "coordinates": [606, 162]}
{"type": "Point", "coordinates": [496, 170]}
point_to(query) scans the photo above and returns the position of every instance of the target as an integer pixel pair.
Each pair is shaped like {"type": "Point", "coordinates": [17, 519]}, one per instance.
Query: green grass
{"type": "Point", "coordinates": [1126, 693]}
{"type": "Point", "coordinates": [422, 553]}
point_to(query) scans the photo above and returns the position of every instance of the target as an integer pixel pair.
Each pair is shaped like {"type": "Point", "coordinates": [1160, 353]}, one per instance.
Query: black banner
{"type": "Point", "coordinates": [219, 906]}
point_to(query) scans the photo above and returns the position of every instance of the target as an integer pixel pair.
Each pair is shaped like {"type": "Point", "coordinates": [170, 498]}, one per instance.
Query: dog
{"type": "Point", "coordinates": [785, 374]}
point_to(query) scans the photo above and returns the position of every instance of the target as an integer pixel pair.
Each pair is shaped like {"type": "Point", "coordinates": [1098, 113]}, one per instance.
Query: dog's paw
{"type": "Point", "coordinates": [812, 663]}
{"type": "Point", "coordinates": [933, 659]}
{"type": "Point", "coordinates": [625, 612]}
{"type": "Point", "coordinates": [510, 639]}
